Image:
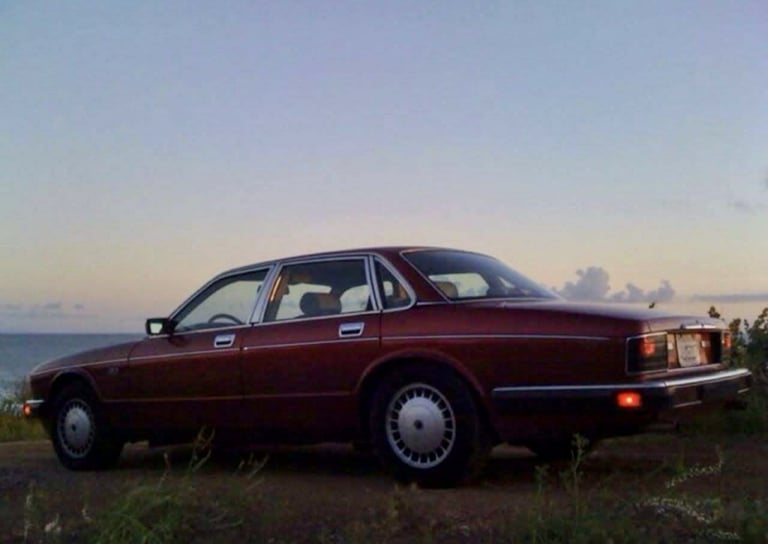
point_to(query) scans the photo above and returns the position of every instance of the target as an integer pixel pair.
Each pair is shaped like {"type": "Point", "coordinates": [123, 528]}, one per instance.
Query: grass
{"type": "Point", "coordinates": [676, 511]}
{"type": "Point", "coordinates": [174, 511]}
{"type": "Point", "coordinates": [687, 503]}
{"type": "Point", "coordinates": [13, 427]}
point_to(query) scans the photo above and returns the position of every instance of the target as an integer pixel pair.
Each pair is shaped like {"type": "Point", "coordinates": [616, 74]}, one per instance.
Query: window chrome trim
{"type": "Point", "coordinates": [370, 276]}
{"type": "Point", "coordinates": [261, 301]}
{"type": "Point", "coordinates": [315, 318]}
{"type": "Point", "coordinates": [399, 277]}
{"type": "Point", "coordinates": [166, 336]}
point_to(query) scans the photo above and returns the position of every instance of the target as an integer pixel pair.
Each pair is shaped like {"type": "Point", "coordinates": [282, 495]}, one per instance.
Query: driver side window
{"type": "Point", "coordinates": [227, 302]}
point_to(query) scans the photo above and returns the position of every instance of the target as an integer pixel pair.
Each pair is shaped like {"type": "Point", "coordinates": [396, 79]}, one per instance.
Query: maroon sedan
{"type": "Point", "coordinates": [432, 356]}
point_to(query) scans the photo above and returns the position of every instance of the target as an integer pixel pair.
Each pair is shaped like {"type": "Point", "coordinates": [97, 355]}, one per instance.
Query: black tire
{"type": "Point", "coordinates": [426, 427]}
{"type": "Point", "coordinates": [81, 437]}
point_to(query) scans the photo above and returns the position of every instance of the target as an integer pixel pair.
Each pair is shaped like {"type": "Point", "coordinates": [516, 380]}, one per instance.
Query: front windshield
{"type": "Point", "coordinates": [460, 275]}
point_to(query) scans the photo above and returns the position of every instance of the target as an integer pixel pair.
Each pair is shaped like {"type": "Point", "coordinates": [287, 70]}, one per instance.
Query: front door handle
{"type": "Point", "coordinates": [347, 330]}
{"type": "Point", "coordinates": [224, 341]}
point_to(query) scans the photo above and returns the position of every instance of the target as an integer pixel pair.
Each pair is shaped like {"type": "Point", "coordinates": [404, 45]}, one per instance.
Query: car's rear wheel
{"type": "Point", "coordinates": [81, 438]}
{"type": "Point", "coordinates": [426, 427]}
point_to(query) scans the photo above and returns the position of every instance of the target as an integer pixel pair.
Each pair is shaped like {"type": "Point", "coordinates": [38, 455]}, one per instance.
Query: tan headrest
{"type": "Point", "coordinates": [315, 304]}
{"type": "Point", "coordinates": [448, 288]}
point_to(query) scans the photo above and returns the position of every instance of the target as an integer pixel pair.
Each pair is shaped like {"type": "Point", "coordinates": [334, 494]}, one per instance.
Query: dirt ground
{"type": "Point", "coordinates": [327, 493]}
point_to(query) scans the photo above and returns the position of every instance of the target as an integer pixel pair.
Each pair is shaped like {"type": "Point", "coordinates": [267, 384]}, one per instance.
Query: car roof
{"type": "Point", "coordinates": [384, 251]}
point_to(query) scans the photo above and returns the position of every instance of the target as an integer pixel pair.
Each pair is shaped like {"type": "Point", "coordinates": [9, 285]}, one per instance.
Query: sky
{"type": "Point", "coordinates": [612, 150]}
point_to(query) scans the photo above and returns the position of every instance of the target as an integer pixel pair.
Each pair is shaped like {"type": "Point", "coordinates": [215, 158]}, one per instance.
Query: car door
{"type": "Point", "coordinates": [301, 364]}
{"type": "Point", "coordinates": [190, 376]}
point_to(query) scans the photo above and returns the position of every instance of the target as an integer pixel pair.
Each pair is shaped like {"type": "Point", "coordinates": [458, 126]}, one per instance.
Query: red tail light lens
{"type": "Point", "coordinates": [647, 353]}
{"type": "Point", "coordinates": [629, 399]}
{"type": "Point", "coordinates": [726, 344]}
{"type": "Point", "coordinates": [647, 347]}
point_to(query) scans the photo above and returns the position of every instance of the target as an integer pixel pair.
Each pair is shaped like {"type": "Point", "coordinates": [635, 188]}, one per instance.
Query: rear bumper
{"type": "Point", "coordinates": [655, 395]}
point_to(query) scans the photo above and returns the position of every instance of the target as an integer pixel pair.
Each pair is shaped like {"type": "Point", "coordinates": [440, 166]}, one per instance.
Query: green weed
{"type": "Point", "coordinates": [14, 428]}
{"type": "Point", "coordinates": [171, 511]}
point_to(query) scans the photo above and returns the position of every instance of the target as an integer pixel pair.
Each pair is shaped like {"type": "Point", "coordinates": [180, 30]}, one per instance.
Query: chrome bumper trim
{"type": "Point", "coordinates": [692, 381]}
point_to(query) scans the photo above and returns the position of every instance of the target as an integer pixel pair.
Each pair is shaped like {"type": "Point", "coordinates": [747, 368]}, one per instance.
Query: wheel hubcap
{"type": "Point", "coordinates": [76, 428]}
{"type": "Point", "coordinates": [421, 427]}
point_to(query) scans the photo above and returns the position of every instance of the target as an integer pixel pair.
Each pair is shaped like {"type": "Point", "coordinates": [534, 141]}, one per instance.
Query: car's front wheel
{"type": "Point", "coordinates": [426, 427]}
{"type": "Point", "coordinates": [81, 438]}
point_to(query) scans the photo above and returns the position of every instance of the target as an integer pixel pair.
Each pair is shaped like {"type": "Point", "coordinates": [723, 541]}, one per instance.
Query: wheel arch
{"type": "Point", "coordinates": [440, 363]}
{"type": "Point", "coordinates": [68, 377]}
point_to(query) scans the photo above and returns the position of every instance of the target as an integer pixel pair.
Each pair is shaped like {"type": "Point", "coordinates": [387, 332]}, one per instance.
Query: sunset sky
{"type": "Point", "coordinates": [146, 146]}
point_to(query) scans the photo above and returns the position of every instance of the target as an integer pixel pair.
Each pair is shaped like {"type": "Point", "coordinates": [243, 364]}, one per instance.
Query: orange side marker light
{"type": "Point", "coordinates": [27, 410]}
{"type": "Point", "coordinates": [629, 399]}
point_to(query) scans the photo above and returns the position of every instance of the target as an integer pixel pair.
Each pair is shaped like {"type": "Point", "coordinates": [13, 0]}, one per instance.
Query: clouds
{"type": "Point", "coordinates": [664, 293]}
{"type": "Point", "coordinates": [732, 298]}
{"type": "Point", "coordinates": [753, 205]}
{"type": "Point", "coordinates": [42, 311]}
{"type": "Point", "coordinates": [52, 316]}
{"type": "Point", "coordinates": [744, 206]}
{"type": "Point", "coordinates": [593, 285]}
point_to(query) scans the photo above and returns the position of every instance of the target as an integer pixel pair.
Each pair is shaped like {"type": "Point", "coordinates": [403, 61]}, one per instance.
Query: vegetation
{"type": "Point", "coordinates": [749, 350]}
{"type": "Point", "coordinates": [750, 343]}
{"type": "Point", "coordinates": [674, 502]}
{"type": "Point", "coordinates": [13, 427]}
{"type": "Point", "coordinates": [670, 514]}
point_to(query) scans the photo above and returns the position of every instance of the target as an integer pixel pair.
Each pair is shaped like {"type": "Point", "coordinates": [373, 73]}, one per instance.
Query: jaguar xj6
{"type": "Point", "coordinates": [430, 356]}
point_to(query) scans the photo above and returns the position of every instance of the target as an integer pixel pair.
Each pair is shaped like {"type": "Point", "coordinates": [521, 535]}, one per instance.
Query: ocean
{"type": "Point", "coordinates": [20, 353]}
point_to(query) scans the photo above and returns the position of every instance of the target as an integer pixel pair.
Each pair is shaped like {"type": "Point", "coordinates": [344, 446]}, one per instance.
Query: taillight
{"type": "Point", "coordinates": [629, 399]}
{"type": "Point", "coordinates": [647, 347]}
{"type": "Point", "coordinates": [726, 343]}
{"type": "Point", "coordinates": [647, 353]}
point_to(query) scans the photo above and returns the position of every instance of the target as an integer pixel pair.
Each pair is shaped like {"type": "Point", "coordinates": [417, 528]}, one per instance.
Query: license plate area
{"type": "Point", "coordinates": [691, 350]}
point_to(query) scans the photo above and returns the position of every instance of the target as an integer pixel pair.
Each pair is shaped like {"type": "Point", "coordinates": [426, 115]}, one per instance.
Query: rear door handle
{"type": "Point", "coordinates": [347, 330]}
{"type": "Point", "coordinates": [224, 341]}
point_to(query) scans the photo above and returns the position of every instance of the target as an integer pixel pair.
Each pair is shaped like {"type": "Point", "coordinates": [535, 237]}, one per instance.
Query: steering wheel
{"type": "Point", "coordinates": [228, 317]}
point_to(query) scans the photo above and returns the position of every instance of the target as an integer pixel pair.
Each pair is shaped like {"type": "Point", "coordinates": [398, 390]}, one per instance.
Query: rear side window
{"type": "Point", "coordinates": [319, 289]}
{"type": "Point", "coordinates": [393, 292]}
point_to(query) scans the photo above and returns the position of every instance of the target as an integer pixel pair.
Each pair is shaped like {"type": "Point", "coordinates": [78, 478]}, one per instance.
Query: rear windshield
{"type": "Point", "coordinates": [460, 275]}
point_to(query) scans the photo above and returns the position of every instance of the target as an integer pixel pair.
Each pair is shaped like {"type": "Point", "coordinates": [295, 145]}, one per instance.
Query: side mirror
{"type": "Point", "coordinates": [158, 325]}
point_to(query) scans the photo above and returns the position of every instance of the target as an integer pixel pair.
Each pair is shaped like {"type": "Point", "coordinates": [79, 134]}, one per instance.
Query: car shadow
{"type": "Point", "coordinates": [506, 465]}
